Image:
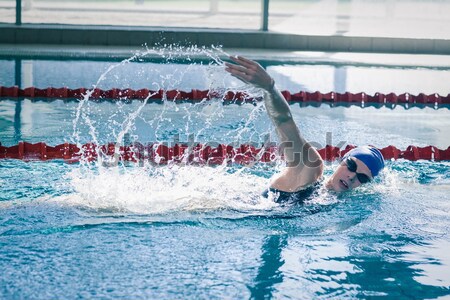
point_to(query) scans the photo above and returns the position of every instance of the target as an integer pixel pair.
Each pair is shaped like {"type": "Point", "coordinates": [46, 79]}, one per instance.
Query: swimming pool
{"type": "Point", "coordinates": [183, 231]}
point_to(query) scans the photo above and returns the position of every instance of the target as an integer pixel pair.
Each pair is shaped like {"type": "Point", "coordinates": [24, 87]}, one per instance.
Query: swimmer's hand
{"type": "Point", "coordinates": [250, 71]}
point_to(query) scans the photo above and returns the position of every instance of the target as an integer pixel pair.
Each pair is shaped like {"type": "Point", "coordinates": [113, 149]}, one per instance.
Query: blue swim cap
{"type": "Point", "coordinates": [370, 156]}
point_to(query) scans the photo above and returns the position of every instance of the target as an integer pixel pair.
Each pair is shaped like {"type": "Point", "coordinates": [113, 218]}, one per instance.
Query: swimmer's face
{"type": "Point", "coordinates": [346, 177]}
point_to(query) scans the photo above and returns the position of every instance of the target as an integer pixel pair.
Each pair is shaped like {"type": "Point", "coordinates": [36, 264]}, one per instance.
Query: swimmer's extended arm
{"type": "Point", "coordinates": [304, 164]}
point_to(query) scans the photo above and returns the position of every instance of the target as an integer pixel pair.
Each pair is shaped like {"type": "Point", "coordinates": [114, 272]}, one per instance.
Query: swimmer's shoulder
{"type": "Point", "coordinates": [294, 179]}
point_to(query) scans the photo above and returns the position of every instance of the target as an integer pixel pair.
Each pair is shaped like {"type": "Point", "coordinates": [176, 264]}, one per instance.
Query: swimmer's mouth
{"type": "Point", "coordinates": [344, 184]}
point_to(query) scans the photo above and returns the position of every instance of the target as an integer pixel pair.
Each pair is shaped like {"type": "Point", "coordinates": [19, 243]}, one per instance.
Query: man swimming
{"type": "Point", "coordinates": [304, 168]}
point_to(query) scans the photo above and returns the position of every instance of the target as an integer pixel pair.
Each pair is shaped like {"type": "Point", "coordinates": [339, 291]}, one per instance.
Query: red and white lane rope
{"type": "Point", "coordinates": [194, 95]}
{"type": "Point", "coordinates": [195, 154]}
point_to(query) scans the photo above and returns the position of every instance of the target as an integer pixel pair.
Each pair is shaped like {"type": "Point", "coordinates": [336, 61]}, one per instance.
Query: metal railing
{"type": "Point", "coordinates": [213, 7]}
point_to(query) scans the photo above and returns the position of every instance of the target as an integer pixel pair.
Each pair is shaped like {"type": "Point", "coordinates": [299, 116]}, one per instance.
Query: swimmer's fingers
{"type": "Point", "coordinates": [240, 73]}
{"type": "Point", "coordinates": [249, 64]}
{"type": "Point", "coordinates": [250, 71]}
{"type": "Point", "coordinates": [241, 76]}
{"type": "Point", "coordinates": [232, 68]}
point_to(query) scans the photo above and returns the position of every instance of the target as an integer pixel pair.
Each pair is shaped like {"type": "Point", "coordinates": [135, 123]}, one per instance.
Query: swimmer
{"type": "Point", "coordinates": [304, 166]}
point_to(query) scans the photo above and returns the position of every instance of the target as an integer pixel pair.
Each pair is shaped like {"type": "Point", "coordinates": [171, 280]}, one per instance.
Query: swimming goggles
{"type": "Point", "coordinates": [352, 167]}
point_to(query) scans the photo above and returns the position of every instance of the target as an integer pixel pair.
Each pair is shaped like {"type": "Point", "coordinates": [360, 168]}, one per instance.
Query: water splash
{"type": "Point", "coordinates": [174, 188]}
{"type": "Point", "coordinates": [108, 184]}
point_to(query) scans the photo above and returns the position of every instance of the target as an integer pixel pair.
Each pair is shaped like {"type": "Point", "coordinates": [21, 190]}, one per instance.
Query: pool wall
{"type": "Point", "coordinates": [137, 36]}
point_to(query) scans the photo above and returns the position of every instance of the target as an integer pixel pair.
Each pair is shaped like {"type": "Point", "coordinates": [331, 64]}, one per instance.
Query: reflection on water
{"type": "Point", "coordinates": [269, 273]}
{"type": "Point", "coordinates": [385, 271]}
{"type": "Point", "coordinates": [360, 267]}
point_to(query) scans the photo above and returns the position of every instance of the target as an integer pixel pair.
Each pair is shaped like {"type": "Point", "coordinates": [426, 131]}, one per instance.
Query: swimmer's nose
{"type": "Point", "coordinates": [352, 176]}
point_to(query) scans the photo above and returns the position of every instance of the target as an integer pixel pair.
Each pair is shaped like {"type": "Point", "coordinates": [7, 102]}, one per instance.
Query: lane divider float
{"type": "Point", "coordinates": [196, 95]}
{"type": "Point", "coordinates": [195, 154]}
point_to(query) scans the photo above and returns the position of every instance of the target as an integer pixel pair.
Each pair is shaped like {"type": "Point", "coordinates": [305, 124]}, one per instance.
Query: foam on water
{"type": "Point", "coordinates": [159, 190]}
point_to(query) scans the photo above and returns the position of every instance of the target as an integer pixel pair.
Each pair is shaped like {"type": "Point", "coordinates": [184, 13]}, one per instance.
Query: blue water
{"type": "Point", "coordinates": [388, 240]}
{"type": "Point", "coordinates": [177, 231]}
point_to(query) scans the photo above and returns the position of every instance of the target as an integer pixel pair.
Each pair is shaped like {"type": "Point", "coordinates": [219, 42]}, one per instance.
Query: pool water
{"type": "Point", "coordinates": [179, 231]}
